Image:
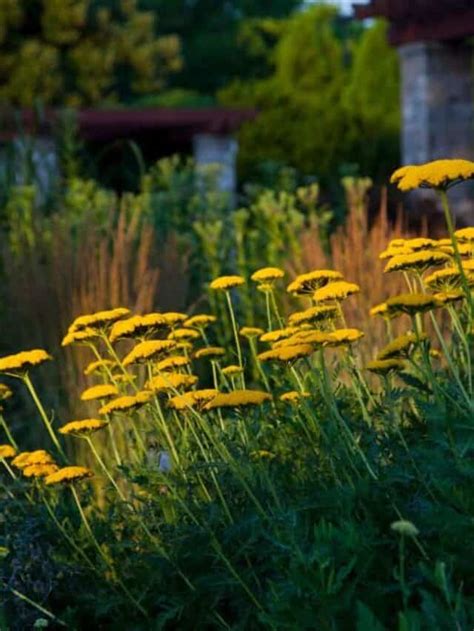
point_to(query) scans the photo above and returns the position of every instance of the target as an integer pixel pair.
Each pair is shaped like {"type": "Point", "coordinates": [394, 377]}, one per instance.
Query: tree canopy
{"type": "Point", "coordinates": [81, 52]}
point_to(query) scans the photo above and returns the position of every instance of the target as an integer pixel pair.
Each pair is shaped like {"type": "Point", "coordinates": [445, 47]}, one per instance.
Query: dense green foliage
{"type": "Point", "coordinates": [331, 103]}
{"type": "Point", "coordinates": [80, 52]}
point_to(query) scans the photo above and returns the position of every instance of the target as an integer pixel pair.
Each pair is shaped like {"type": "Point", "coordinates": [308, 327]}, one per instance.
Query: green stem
{"type": "Point", "coordinates": [236, 335]}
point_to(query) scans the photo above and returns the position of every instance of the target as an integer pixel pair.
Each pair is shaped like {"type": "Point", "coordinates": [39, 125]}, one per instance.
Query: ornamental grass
{"type": "Point", "coordinates": [279, 481]}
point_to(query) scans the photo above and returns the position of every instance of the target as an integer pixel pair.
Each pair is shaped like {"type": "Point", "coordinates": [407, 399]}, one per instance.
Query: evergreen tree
{"type": "Point", "coordinates": [81, 52]}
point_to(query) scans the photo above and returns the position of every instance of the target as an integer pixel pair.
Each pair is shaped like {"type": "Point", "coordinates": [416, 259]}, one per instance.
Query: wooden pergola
{"type": "Point", "coordinates": [422, 20]}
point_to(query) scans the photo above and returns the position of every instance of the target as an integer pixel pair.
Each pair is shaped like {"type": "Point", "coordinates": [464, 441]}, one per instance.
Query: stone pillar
{"type": "Point", "coordinates": [221, 150]}
{"type": "Point", "coordinates": [438, 108]}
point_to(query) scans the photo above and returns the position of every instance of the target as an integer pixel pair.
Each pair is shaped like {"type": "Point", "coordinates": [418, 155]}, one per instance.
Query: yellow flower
{"type": "Point", "coordinates": [307, 283]}
{"type": "Point", "coordinates": [136, 325]}
{"type": "Point", "coordinates": [278, 334]}
{"type": "Point", "coordinates": [267, 274]}
{"type": "Point", "coordinates": [200, 321]}
{"type": "Point", "coordinates": [147, 350]}
{"type": "Point", "coordinates": [83, 335]}
{"type": "Point", "coordinates": [103, 391]}
{"type": "Point", "coordinates": [313, 314]}
{"type": "Point", "coordinates": [381, 309]}
{"type": "Point", "coordinates": [293, 396]}
{"type": "Point", "coordinates": [173, 362]}
{"type": "Point", "coordinates": [411, 303]}
{"type": "Point", "coordinates": [230, 371]}
{"type": "Point", "coordinates": [183, 334]}
{"type": "Point", "coordinates": [82, 428]}
{"type": "Point", "coordinates": [287, 353]}
{"type": "Point", "coordinates": [174, 317]}
{"type": "Point", "coordinates": [96, 366]}
{"type": "Point", "coordinates": [418, 261]}
{"type": "Point", "coordinates": [5, 392]}
{"type": "Point", "coordinates": [399, 347]}
{"type": "Point", "coordinates": [21, 362]}
{"type": "Point", "coordinates": [39, 470]}
{"type": "Point", "coordinates": [127, 402]}
{"type": "Point", "coordinates": [447, 277]}
{"type": "Point", "coordinates": [421, 243]}
{"type": "Point", "coordinates": [68, 475]}
{"type": "Point", "coordinates": [448, 297]}
{"type": "Point", "coordinates": [237, 398]}
{"type": "Point", "coordinates": [437, 174]}
{"type": "Point", "coordinates": [465, 234]}
{"type": "Point", "coordinates": [344, 336]}
{"type": "Point", "coordinates": [393, 251]}
{"type": "Point", "coordinates": [7, 451]}
{"type": "Point", "coordinates": [251, 331]}
{"type": "Point", "coordinates": [100, 318]}
{"type": "Point", "coordinates": [335, 291]}
{"type": "Point", "coordinates": [384, 366]}
{"type": "Point", "coordinates": [191, 399]}
{"type": "Point", "coordinates": [210, 351]}
{"type": "Point", "coordinates": [171, 381]}
{"type": "Point", "coordinates": [227, 282]}
{"type": "Point", "coordinates": [310, 336]}
{"type": "Point", "coordinates": [28, 458]}
{"type": "Point", "coordinates": [262, 454]}
{"type": "Point", "coordinates": [465, 249]}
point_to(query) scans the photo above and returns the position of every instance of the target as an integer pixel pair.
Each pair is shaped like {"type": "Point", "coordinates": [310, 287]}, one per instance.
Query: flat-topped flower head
{"type": "Point", "coordinates": [232, 370]}
{"type": "Point", "coordinates": [69, 475]}
{"type": "Point", "coordinates": [421, 243]}
{"type": "Point", "coordinates": [417, 262]}
{"type": "Point", "coordinates": [449, 297]}
{"type": "Point", "coordinates": [380, 309]}
{"type": "Point", "coordinates": [439, 174]}
{"type": "Point", "coordinates": [7, 452]}
{"type": "Point", "coordinates": [21, 363]}
{"type": "Point", "coordinates": [209, 351]}
{"type": "Point", "coordinates": [393, 251]}
{"type": "Point", "coordinates": [384, 366]}
{"type": "Point", "coordinates": [98, 319]}
{"type": "Point", "coordinates": [309, 336]}
{"type": "Point", "coordinates": [102, 391]}
{"type": "Point", "coordinates": [411, 303]}
{"type": "Point", "coordinates": [237, 398]}
{"type": "Point", "coordinates": [5, 392]}
{"type": "Point", "coordinates": [307, 283]}
{"type": "Point", "coordinates": [83, 336]}
{"type": "Point", "coordinates": [174, 317]}
{"type": "Point", "coordinates": [251, 331]}
{"type": "Point", "coordinates": [341, 337]}
{"type": "Point", "coordinates": [127, 402]}
{"type": "Point", "coordinates": [136, 326]}
{"type": "Point", "coordinates": [200, 321]}
{"type": "Point", "coordinates": [171, 381]}
{"type": "Point", "coordinates": [28, 458]}
{"type": "Point", "coordinates": [100, 365]}
{"type": "Point", "coordinates": [86, 427]}
{"type": "Point", "coordinates": [287, 353]}
{"type": "Point", "coordinates": [39, 470]}
{"type": "Point", "coordinates": [267, 275]}
{"type": "Point", "coordinates": [196, 398]}
{"type": "Point", "coordinates": [448, 277]}
{"type": "Point", "coordinates": [170, 363]}
{"type": "Point", "coordinates": [313, 314]}
{"type": "Point", "coordinates": [224, 283]}
{"type": "Point", "coordinates": [184, 334]}
{"type": "Point", "coordinates": [148, 350]}
{"type": "Point", "coordinates": [401, 346]}
{"type": "Point", "coordinates": [293, 397]}
{"type": "Point", "coordinates": [278, 334]}
{"type": "Point", "coordinates": [335, 291]}
{"type": "Point", "coordinates": [465, 234]}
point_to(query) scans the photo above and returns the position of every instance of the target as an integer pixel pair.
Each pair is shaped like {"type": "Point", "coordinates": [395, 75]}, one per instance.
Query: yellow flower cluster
{"type": "Point", "coordinates": [237, 398]}
{"type": "Point", "coordinates": [224, 283]}
{"type": "Point", "coordinates": [82, 428]}
{"type": "Point", "coordinates": [126, 402]}
{"type": "Point", "coordinates": [148, 350]}
{"type": "Point", "coordinates": [69, 475]}
{"type": "Point", "coordinates": [309, 282]}
{"type": "Point", "coordinates": [437, 174]}
{"type": "Point", "coordinates": [22, 362]}
{"type": "Point", "coordinates": [104, 391]}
